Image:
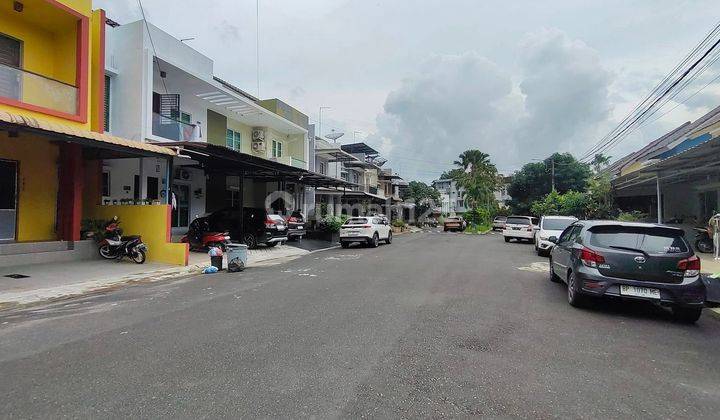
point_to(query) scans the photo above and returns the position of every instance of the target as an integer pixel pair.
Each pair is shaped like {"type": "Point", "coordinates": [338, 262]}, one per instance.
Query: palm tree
{"type": "Point", "coordinates": [599, 161]}
{"type": "Point", "coordinates": [477, 175]}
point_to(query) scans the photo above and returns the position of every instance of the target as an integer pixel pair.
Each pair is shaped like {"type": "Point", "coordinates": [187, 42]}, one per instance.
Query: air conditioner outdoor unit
{"type": "Point", "coordinates": [258, 134]}
{"type": "Point", "coordinates": [258, 146]}
{"type": "Point", "coordinates": [182, 174]}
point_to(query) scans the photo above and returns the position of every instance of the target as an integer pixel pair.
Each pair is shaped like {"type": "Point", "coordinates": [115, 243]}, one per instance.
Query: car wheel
{"type": "Point", "coordinates": [574, 297]}
{"type": "Point", "coordinates": [507, 239]}
{"type": "Point", "coordinates": [249, 240]}
{"type": "Point", "coordinates": [389, 238]}
{"type": "Point", "coordinates": [553, 277]}
{"type": "Point", "coordinates": [686, 315]}
{"type": "Point", "coordinates": [345, 244]}
{"type": "Point", "coordinates": [375, 241]}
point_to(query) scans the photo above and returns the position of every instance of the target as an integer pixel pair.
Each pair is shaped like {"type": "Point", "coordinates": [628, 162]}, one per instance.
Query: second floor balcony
{"type": "Point", "coordinates": [36, 90]}
{"type": "Point", "coordinates": [172, 129]}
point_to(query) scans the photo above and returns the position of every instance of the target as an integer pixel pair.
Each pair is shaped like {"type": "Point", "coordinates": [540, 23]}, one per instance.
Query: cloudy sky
{"type": "Point", "coordinates": [423, 80]}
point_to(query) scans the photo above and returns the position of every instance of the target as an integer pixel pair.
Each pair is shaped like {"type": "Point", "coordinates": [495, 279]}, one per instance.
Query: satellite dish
{"type": "Point", "coordinates": [334, 135]}
{"type": "Point", "coordinates": [379, 161]}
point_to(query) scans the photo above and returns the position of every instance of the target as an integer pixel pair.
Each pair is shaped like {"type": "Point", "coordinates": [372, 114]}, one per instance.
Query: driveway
{"type": "Point", "coordinates": [433, 325]}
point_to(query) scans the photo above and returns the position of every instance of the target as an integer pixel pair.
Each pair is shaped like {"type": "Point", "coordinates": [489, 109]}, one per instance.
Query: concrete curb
{"type": "Point", "coordinates": [714, 312]}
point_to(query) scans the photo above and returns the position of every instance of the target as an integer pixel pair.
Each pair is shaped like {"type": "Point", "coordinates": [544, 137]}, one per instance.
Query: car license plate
{"type": "Point", "coordinates": [644, 292]}
{"type": "Point", "coordinates": [300, 227]}
{"type": "Point", "coordinates": [515, 228]}
{"type": "Point", "coordinates": [353, 233]}
{"type": "Point", "coordinates": [281, 227]}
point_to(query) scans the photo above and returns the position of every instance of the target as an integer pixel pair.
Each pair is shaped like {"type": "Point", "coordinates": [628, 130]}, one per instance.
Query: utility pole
{"type": "Point", "coordinates": [552, 159]}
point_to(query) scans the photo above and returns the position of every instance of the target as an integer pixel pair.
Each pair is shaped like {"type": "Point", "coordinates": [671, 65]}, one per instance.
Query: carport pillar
{"type": "Point", "coordinates": [69, 204]}
{"type": "Point", "coordinates": [659, 199]}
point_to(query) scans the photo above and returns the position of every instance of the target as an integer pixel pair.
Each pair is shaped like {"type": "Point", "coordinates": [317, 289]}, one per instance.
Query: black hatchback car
{"type": "Point", "coordinates": [629, 260]}
{"type": "Point", "coordinates": [258, 227]}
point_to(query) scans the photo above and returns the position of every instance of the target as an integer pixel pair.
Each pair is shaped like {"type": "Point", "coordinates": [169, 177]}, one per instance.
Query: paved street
{"type": "Point", "coordinates": [433, 325]}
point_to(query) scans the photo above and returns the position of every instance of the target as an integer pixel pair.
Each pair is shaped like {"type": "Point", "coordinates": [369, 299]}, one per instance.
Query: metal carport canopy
{"type": "Point", "coordinates": [682, 167]}
{"type": "Point", "coordinates": [221, 158]}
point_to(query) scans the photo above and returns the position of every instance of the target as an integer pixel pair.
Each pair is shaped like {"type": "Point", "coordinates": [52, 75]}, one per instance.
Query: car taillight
{"type": "Point", "coordinates": [691, 266]}
{"type": "Point", "coordinates": [591, 258]}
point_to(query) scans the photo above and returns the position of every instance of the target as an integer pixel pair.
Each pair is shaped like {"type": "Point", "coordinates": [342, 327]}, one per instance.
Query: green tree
{"type": "Point", "coordinates": [534, 180]}
{"type": "Point", "coordinates": [478, 177]}
{"type": "Point", "coordinates": [599, 162]}
{"type": "Point", "coordinates": [423, 195]}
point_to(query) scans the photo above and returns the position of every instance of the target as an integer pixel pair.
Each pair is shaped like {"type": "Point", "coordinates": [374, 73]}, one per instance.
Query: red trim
{"type": "Point", "coordinates": [168, 233]}
{"type": "Point", "coordinates": [81, 74]}
{"type": "Point", "coordinates": [101, 76]}
{"type": "Point", "coordinates": [41, 109]}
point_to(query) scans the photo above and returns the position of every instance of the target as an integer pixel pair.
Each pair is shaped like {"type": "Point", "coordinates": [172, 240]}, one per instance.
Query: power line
{"type": "Point", "coordinates": [649, 105]}
{"type": "Point", "coordinates": [155, 59]}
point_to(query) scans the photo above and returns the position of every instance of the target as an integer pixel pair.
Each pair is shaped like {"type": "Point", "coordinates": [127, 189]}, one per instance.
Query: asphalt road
{"type": "Point", "coordinates": [433, 325]}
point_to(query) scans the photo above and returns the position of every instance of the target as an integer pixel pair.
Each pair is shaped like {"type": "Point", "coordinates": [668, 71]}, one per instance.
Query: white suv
{"type": "Point", "coordinates": [550, 226]}
{"type": "Point", "coordinates": [368, 230]}
{"type": "Point", "coordinates": [520, 228]}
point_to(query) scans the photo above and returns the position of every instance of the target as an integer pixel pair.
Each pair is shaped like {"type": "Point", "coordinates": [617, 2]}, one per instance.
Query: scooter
{"type": "Point", "coordinates": [199, 238]}
{"type": "Point", "coordinates": [703, 241]}
{"type": "Point", "coordinates": [115, 246]}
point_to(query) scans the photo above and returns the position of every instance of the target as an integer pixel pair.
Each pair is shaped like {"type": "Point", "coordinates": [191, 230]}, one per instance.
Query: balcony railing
{"type": "Point", "coordinates": [172, 129]}
{"type": "Point", "coordinates": [299, 163]}
{"type": "Point", "coordinates": [34, 89]}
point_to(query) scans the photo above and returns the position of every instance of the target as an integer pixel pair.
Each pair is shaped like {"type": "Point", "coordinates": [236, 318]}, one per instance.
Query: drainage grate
{"type": "Point", "coordinates": [17, 276]}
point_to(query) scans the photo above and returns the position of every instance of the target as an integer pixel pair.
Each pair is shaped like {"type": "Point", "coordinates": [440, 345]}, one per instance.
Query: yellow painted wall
{"type": "Point", "coordinates": [151, 222]}
{"type": "Point", "coordinates": [49, 49]}
{"type": "Point", "coordinates": [37, 184]}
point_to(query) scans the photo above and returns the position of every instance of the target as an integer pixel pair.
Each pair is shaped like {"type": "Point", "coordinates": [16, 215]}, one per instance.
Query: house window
{"type": "Point", "coordinates": [106, 108]}
{"type": "Point", "coordinates": [10, 56]}
{"type": "Point", "coordinates": [277, 149]}
{"type": "Point", "coordinates": [106, 184]}
{"type": "Point", "coordinates": [322, 168]}
{"type": "Point", "coordinates": [233, 139]}
{"type": "Point", "coordinates": [185, 117]}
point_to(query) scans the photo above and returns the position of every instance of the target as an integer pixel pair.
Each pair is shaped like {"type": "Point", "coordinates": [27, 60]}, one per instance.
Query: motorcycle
{"type": "Point", "coordinates": [703, 241]}
{"type": "Point", "coordinates": [199, 237]}
{"type": "Point", "coordinates": [115, 246]}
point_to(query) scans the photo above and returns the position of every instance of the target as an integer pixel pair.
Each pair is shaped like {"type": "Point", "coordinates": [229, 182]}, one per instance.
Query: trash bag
{"type": "Point", "coordinates": [215, 251]}
{"type": "Point", "coordinates": [235, 265]}
{"type": "Point", "coordinates": [210, 270]}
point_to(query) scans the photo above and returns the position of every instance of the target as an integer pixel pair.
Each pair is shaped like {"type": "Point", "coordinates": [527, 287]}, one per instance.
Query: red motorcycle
{"type": "Point", "coordinates": [199, 237]}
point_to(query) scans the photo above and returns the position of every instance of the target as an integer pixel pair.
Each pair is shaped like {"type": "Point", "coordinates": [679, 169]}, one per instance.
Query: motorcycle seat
{"type": "Point", "coordinates": [130, 237]}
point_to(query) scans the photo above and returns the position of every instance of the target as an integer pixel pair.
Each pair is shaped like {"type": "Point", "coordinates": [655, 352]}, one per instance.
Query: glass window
{"type": "Point", "coordinates": [556, 224]}
{"type": "Point", "coordinates": [277, 149]}
{"type": "Point", "coordinates": [106, 107]}
{"type": "Point", "coordinates": [185, 117]}
{"type": "Point", "coordinates": [518, 221]}
{"type": "Point", "coordinates": [356, 221]}
{"type": "Point", "coordinates": [233, 139]}
{"type": "Point", "coordinates": [652, 241]}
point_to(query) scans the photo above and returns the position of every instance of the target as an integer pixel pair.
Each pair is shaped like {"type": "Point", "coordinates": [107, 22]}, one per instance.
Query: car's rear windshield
{"type": "Point", "coordinates": [356, 221]}
{"type": "Point", "coordinates": [276, 217]}
{"type": "Point", "coordinates": [556, 224]}
{"type": "Point", "coordinates": [500, 218]}
{"type": "Point", "coordinates": [649, 240]}
{"type": "Point", "coordinates": [517, 221]}
{"type": "Point", "coordinates": [452, 219]}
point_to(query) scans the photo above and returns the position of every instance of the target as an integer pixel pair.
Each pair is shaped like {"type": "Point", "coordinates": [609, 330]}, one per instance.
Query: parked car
{"type": "Point", "coordinates": [520, 228]}
{"type": "Point", "coordinates": [498, 223]}
{"type": "Point", "coordinates": [550, 226]}
{"type": "Point", "coordinates": [296, 225]}
{"type": "Point", "coordinates": [368, 230]}
{"type": "Point", "coordinates": [258, 226]}
{"type": "Point", "coordinates": [629, 260]}
{"type": "Point", "coordinates": [454, 223]}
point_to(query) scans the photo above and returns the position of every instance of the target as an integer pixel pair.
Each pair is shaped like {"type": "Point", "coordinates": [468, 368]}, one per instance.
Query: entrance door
{"type": "Point", "coordinates": [8, 200]}
{"type": "Point", "coordinates": [181, 212]}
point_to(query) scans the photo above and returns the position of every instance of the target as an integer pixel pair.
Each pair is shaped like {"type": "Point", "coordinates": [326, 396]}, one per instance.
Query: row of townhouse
{"type": "Point", "coordinates": [99, 120]}
{"type": "Point", "coordinates": [675, 178]}
{"type": "Point", "coordinates": [452, 196]}
{"type": "Point", "coordinates": [370, 189]}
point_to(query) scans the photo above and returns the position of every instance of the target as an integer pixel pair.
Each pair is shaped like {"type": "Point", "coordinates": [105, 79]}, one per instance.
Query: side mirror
{"type": "Point", "coordinates": [553, 239]}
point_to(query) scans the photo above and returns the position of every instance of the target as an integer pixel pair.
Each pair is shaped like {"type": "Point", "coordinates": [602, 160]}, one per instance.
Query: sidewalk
{"type": "Point", "coordinates": [46, 282]}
